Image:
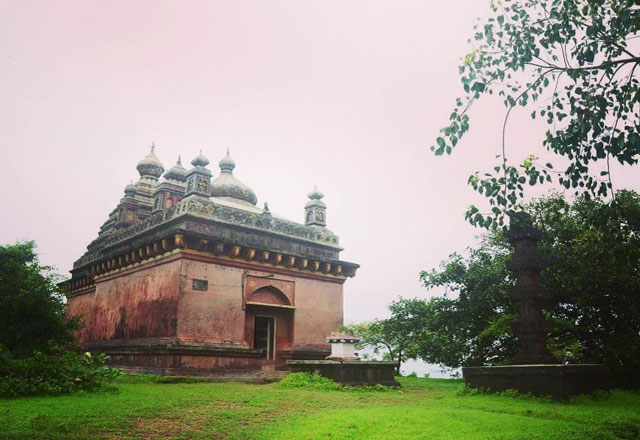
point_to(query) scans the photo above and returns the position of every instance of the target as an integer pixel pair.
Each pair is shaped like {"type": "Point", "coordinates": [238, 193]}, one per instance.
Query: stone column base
{"type": "Point", "coordinates": [557, 381]}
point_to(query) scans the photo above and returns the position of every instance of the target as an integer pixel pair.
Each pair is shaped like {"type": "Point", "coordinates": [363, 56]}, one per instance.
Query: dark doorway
{"type": "Point", "coordinates": [264, 336]}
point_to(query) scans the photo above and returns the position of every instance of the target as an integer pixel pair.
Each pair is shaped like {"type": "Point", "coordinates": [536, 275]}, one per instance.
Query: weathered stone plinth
{"type": "Point", "coordinates": [351, 373]}
{"type": "Point", "coordinates": [557, 381]}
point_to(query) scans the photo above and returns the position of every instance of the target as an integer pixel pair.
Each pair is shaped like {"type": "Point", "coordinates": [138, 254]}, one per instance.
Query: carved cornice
{"type": "Point", "coordinates": [205, 209]}
{"type": "Point", "coordinates": [230, 254]}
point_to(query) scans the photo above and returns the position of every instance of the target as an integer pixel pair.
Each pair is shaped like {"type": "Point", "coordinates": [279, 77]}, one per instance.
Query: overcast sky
{"type": "Point", "coordinates": [348, 95]}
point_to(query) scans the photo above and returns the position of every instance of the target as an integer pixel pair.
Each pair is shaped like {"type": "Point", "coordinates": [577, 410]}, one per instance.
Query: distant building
{"type": "Point", "coordinates": [188, 276]}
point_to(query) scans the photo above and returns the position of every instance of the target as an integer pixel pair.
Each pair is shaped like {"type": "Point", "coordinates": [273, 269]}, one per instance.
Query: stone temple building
{"type": "Point", "coordinates": [189, 276]}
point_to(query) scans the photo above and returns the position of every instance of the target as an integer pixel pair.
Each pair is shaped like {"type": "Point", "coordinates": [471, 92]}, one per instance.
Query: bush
{"type": "Point", "coordinates": [465, 390]}
{"type": "Point", "coordinates": [58, 373]}
{"type": "Point", "coordinates": [317, 382]}
{"type": "Point", "coordinates": [309, 380]}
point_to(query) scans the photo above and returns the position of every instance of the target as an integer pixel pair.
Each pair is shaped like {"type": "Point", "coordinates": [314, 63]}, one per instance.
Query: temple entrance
{"type": "Point", "coordinates": [269, 321]}
{"type": "Point", "coordinates": [264, 336]}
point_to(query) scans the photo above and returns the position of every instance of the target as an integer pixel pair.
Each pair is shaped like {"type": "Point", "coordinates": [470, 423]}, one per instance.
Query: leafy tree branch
{"type": "Point", "coordinates": [573, 51]}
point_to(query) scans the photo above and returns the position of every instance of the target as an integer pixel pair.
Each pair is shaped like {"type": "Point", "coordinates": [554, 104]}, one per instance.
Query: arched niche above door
{"type": "Point", "coordinates": [269, 295]}
{"type": "Point", "coordinates": [269, 290]}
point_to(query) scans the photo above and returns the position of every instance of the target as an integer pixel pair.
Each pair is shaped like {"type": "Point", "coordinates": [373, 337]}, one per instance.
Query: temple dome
{"type": "Point", "coordinates": [130, 189]}
{"type": "Point", "coordinates": [200, 160]}
{"type": "Point", "coordinates": [315, 194]}
{"type": "Point", "coordinates": [177, 172]}
{"type": "Point", "coordinates": [227, 186]}
{"type": "Point", "coordinates": [150, 165]}
{"type": "Point", "coordinates": [315, 197]}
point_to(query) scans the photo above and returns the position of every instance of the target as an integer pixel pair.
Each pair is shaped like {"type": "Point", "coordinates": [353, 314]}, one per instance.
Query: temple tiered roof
{"type": "Point", "coordinates": [183, 209]}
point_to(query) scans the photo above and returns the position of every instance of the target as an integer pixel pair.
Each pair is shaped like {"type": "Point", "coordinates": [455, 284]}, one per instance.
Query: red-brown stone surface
{"type": "Point", "coordinates": [157, 302]}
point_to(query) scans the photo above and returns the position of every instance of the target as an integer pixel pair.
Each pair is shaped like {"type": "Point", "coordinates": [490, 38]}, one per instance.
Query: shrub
{"type": "Point", "coordinates": [465, 390]}
{"type": "Point", "coordinates": [309, 380]}
{"type": "Point", "coordinates": [317, 382]}
{"type": "Point", "coordinates": [57, 373]}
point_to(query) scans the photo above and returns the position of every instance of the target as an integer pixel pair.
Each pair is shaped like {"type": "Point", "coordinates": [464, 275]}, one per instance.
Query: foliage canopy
{"type": "Point", "coordinates": [574, 64]}
{"type": "Point", "coordinates": [32, 310]}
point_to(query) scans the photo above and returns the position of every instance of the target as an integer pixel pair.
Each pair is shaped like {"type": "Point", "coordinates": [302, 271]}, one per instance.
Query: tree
{"type": "Point", "coordinates": [465, 326]}
{"type": "Point", "coordinates": [574, 63]}
{"type": "Point", "coordinates": [32, 310]}
{"type": "Point", "coordinates": [36, 334]}
{"type": "Point", "coordinates": [592, 251]}
{"type": "Point", "coordinates": [396, 334]}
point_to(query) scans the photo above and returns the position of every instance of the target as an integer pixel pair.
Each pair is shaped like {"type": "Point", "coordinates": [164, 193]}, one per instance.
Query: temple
{"type": "Point", "coordinates": [188, 276]}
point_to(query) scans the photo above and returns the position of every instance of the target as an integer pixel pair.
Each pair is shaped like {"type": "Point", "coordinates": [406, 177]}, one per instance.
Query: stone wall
{"type": "Point", "coordinates": [187, 298]}
{"type": "Point", "coordinates": [319, 311]}
{"type": "Point", "coordinates": [141, 303]}
{"type": "Point", "coordinates": [214, 315]}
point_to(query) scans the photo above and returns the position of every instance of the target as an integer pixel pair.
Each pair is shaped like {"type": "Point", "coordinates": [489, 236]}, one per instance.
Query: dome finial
{"type": "Point", "coordinates": [177, 172]}
{"type": "Point", "coordinates": [227, 164]}
{"type": "Point", "coordinates": [153, 146]}
{"type": "Point", "coordinates": [315, 194]}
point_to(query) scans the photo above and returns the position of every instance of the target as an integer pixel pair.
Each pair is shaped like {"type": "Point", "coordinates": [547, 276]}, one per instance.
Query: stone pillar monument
{"type": "Point", "coordinates": [530, 328]}
{"type": "Point", "coordinates": [534, 369]}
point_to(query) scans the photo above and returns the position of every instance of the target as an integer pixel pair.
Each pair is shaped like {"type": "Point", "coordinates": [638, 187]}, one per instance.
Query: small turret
{"type": "Point", "coordinates": [130, 190]}
{"type": "Point", "coordinates": [171, 189]}
{"type": "Point", "coordinates": [199, 177]}
{"type": "Point", "coordinates": [127, 210]}
{"type": "Point", "coordinates": [315, 211]}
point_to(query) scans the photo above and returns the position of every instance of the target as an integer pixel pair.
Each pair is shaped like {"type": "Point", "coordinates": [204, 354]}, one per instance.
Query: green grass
{"type": "Point", "coordinates": [423, 408]}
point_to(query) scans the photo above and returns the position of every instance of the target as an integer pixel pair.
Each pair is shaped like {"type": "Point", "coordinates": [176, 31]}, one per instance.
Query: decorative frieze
{"type": "Point", "coordinates": [211, 211]}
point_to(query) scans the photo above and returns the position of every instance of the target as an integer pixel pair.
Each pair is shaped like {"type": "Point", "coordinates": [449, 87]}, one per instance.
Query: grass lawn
{"type": "Point", "coordinates": [423, 408]}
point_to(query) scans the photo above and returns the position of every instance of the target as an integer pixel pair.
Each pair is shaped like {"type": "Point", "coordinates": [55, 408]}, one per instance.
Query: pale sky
{"type": "Point", "coordinates": [348, 95]}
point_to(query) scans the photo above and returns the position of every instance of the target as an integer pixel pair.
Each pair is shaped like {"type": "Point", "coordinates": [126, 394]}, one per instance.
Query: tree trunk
{"type": "Point", "coordinates": [399, 363]}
